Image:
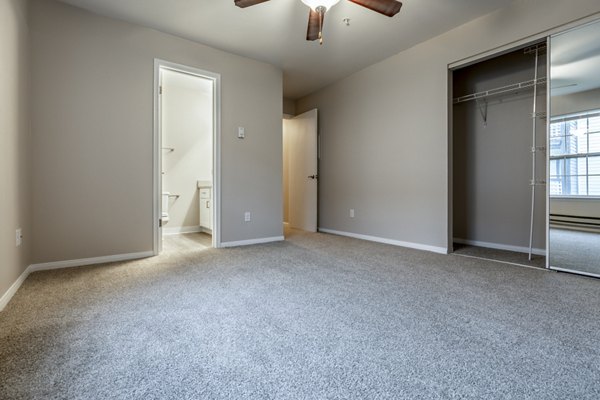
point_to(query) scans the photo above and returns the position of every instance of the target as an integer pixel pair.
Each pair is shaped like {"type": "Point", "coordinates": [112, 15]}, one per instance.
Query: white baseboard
{"type": "Point", "coordinates": [67, 264]}
{"type": "Point", "coordinates": [13, 289]}
{"type": "Point", "coordinates": [497, 246]}
{"type": "Point", "coordinates": [574, 272]}
{"type": "Point", "coordinates": [181, 229]}
{"type": "Point", "coordinates": [418, 246]}
{"type": "Point", "coordinates": [252, 241]}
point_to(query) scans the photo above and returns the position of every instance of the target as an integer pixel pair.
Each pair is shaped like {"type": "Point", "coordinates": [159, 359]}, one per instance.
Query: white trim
{"type": "Point", "coordinates": [156, 156]}
{"type": "Point", "coordinates": [508, 47]}
{"type": "Point", "coordinates": [182, 229]}
{"type": "Point", "coordinates": [7, 296]}
{"type": "Point", "coordinates": [548, 112]}
{"type": "Point", "coordinates": [573, 271]}
{"type": "Point", "coordinates": [498, 246]}
{"type": "Point", "coordinates": [252, 241]}
{"type": "Point", "coordinates": [503, 262]}
{"type": "Point", "coordinates": [89, 261]}
{"type": "Point", "coordinates": [418, 246]}
{"type": "Point", "coordinates": [156, 160]}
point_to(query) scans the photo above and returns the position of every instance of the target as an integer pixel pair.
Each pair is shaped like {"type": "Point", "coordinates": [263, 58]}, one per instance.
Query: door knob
{"type": "Point", "coordinates": [313, 176]}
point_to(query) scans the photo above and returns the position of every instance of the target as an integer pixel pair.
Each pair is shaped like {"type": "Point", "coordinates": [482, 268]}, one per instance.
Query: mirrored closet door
{"type": "Point", "coordinates": [574, 151]}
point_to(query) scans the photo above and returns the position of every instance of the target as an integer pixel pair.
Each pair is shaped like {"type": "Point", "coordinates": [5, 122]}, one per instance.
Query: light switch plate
{"type": "Point", "coordinates": [241, 132]}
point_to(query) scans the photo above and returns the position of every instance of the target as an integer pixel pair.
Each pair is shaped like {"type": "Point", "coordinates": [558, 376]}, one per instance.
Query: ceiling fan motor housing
{"type": "Point", "coordinates": [315, 4]}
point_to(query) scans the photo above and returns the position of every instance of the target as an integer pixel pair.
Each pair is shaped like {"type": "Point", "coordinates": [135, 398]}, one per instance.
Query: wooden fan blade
{"type": "Point", "coordinates": [248, 3]}
{"type": "Point", "coordinates": [314, 25]}
{"type": "Point", "coordinates": [385, 7]}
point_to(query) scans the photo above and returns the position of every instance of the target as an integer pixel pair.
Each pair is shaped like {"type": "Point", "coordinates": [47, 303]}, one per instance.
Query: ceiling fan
{"type": "Point", "coordinates": [318, 8]}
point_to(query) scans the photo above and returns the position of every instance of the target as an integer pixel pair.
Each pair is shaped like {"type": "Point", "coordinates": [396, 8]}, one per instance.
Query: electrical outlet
{"type": "Point", "coordinates": [247, 216]}
{"type": "Point", "coordinates": [19, 237]}
{"type": "Point", "coordinates": [352, 213]}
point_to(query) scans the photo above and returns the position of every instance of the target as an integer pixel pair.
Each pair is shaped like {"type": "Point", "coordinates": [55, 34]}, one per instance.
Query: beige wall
{"type": "Point", "coordinates": [15, 155]}
{"type": "Point", "coordinates": [384, 130]}
{"type": "Point", "coordinates": [582, 207]}
{"type": "Point", "coordinates": [92, 134]}
{"type": "Point", "coordinates": [187, 127]}
{"type": "Point", "coordinates": [575, 102]}
{"type": "Point", "coordinates": [286, 172]}
{"type": "Point", "coordinates": [289, 107]}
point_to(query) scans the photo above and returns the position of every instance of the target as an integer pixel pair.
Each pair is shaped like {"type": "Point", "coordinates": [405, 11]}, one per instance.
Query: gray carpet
{"type": "Point", "coordinates": [575, 250]}
{"type": "Point", "coordinates": [317, 317]}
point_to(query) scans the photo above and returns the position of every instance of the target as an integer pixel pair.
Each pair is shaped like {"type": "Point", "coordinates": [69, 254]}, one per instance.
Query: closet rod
{"type": "Point", "coordinates": [536, 49]}
{"type": "Point", "coordinates": [500, 90]}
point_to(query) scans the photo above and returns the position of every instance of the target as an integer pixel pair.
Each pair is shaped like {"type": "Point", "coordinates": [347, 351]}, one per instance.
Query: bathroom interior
{"type": "Point", "coordinates": [187, 160]}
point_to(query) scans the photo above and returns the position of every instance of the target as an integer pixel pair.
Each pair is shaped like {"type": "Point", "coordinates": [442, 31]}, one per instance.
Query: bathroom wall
{"type": "Point", "coordinates": [187, 127]}
{"type": "Point", "coordinates": [15, 141]}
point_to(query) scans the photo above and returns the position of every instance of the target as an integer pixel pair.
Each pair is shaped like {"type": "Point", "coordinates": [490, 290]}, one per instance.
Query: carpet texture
{"type": "Point", "coordinates": [575, 250]}
{"type": "Point", "coordinates": [316, 317]}
{"type": "Point", "coordinates": [500, 255]}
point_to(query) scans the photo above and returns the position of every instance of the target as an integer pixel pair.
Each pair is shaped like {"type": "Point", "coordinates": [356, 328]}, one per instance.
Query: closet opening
{"type": "Point", "coordinates": [498, 157]}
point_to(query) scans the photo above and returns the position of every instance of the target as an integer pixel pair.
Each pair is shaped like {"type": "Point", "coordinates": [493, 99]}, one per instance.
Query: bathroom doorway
{"type": "Point", "coordinates": [186, 167]}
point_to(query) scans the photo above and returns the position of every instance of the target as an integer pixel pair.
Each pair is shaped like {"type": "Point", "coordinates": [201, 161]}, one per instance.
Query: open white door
{"type": "Point", "coordinates": [301, 133]}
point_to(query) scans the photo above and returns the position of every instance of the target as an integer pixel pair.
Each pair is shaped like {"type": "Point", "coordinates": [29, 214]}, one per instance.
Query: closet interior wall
{"type": "Point", "coordinates": [492, 155]}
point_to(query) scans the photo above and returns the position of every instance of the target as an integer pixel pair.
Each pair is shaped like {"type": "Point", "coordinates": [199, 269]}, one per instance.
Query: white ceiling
{"type": "Point", "coordinates": [275, 31]}
{"type": "Point", "coordinates": [575, 60]}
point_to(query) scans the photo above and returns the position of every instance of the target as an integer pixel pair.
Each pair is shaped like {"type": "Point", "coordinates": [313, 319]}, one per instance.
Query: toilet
{"type": "Point", "coordinates": [165, 207]}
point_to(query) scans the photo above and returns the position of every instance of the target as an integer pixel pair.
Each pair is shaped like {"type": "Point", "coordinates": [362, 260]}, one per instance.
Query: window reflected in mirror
{"type": "Point", "coordinates": [574, 151]}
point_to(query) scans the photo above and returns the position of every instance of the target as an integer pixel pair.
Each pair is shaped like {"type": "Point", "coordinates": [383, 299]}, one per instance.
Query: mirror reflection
{"type": "Point", "coordinates": [574, 151]}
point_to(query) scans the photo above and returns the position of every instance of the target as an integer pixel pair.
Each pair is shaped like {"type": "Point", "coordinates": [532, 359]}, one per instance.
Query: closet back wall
{"type": "Point", "coordinates": [492, 164]}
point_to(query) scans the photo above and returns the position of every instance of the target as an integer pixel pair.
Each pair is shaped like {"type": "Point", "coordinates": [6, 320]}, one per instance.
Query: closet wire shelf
{"type": "Point", "coordinates": [500, 90]}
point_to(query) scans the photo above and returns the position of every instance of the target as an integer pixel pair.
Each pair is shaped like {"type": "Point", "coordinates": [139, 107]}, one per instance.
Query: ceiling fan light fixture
{"type": "Point", "coordinates": [314, 4]}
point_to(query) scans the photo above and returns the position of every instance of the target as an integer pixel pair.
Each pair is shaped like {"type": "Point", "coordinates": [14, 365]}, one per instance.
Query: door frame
{"type": "Point", "coordinates": [157, 153]}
